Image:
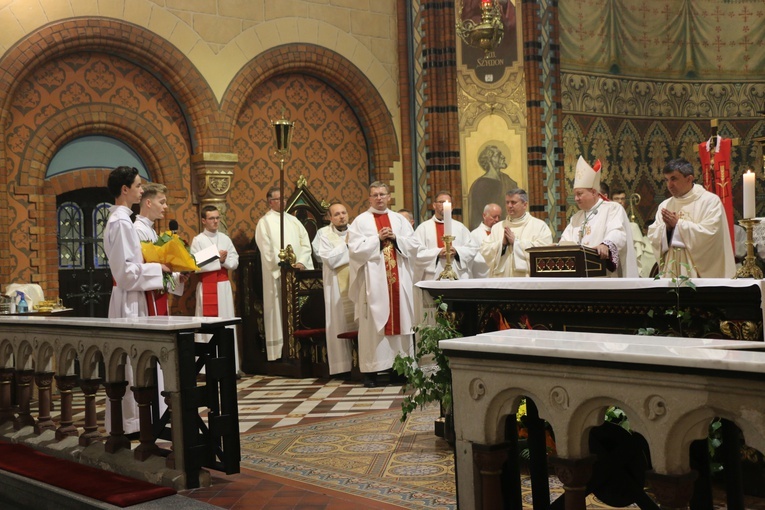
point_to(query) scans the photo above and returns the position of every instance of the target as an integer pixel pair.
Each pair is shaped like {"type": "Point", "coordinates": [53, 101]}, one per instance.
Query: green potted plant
{"type": "Point", "coordinates": [427, 373]}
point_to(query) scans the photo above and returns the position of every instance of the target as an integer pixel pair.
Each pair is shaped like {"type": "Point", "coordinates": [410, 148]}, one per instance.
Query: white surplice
{"type": "Point", "coordinates": [267, 237]}
{"type": "Point", "coordinates": [606, 221]}
{"type": "Point", "coordinates": [369, 289]}
{"type": "Point", "coordinates": [514, 260]}
{"type": "Point", "coordinates": [480, 268]}
{"type": "Point", "coordinates": [332, 249]}
{"type": "Point", "coordinates": [226, 308]}
{"type": "Point", "coordinates": [700, 239]}
{"type": "Point", "coordinates": [132, 279]}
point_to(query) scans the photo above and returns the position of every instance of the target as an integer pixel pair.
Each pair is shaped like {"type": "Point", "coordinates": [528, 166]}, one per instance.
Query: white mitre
{"type": "Point", "coordinates": [586, 176]}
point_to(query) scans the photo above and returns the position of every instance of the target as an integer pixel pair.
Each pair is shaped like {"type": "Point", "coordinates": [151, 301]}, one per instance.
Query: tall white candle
{"type": "Point", "coordinates": [749, 208]}
{"type": "Point", "coordinates": [447, 218]}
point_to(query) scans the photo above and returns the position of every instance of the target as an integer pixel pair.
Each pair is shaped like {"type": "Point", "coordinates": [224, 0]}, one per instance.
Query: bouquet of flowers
{"type": "Point", "coordinates": [171, 250]}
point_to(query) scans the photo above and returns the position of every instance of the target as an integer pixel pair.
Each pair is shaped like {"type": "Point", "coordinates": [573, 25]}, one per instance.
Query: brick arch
{"type": "Point", "coordinates": [341, 74]}
{"type": "Point", "coordinates": [136, 44]}
{"type": "Point", "coordinates": [142, 135]}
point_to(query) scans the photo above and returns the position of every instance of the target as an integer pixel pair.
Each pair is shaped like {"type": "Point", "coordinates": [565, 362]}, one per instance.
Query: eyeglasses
{"type": "Point", "coordinates": [378, 195]}
{"type": "Point", "coordinates": [275, 199]}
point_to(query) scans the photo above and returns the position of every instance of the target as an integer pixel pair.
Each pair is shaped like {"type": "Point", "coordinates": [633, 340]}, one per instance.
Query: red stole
{"type": "Point", "coordinates": [717, 180]}
{"type": "Point", "coordinates": [210, 281]}
{"type": "Point", "coordinates": [393, 326]}
{"type": "Point", "coordinates": [439, 234]}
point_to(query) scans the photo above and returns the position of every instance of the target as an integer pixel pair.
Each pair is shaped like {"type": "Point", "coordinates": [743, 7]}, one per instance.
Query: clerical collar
{"type": "Point", "coordinates": [375, 211]}
{"type": "Point", "coordinates": [519, 218]}
{"type": "Point", "coordinates": [437, 220]}
{"type": "Point", "coordinates": [210, 234]}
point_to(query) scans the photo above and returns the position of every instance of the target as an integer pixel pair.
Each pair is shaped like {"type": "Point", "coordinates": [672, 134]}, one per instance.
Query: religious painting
{"type": "Point", "coordinates": [491, 67]}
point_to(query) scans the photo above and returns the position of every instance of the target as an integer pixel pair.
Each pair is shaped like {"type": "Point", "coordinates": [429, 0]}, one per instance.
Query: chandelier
{"type": "Point", "coordinates": [485, 35]}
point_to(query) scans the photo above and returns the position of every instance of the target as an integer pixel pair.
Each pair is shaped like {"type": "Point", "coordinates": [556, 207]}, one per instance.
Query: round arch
{"type": "Point", "coordinates": [337, 71]}
{"type": "Point", "coordinates": [136, 44]}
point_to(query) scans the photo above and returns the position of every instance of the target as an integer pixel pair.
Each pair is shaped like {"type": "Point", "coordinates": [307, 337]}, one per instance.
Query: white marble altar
{"type": "Point", "coordinates": [670, 388]}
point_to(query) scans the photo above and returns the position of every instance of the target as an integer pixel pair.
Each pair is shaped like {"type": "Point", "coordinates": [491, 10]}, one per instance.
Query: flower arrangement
{"type": "Point", "coordinates": [171, 250]}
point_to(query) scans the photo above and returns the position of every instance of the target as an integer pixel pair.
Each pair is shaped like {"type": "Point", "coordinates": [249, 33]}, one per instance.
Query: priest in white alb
{"type": "Point", "coordinates": [600, 224]}
{"type": "Point", "coordinates": [690, 236]}
{"type": "Point", "coordinates": [382, 249]}
{"type": "Point", "coordinates": [431, 256]}
{"type": "Point", "coordinates": [332, 249]}
{"type": "Point", "coordinates": [268, 239]}
{"type": "Point", "coordinates": [505, 248]}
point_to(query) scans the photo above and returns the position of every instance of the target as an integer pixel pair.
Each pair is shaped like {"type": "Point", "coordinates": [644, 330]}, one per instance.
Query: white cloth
{"type": "Point", "coordinates": [226, 308]}
{"type": "Point", "coordinates": [529, 232]}
{"type": "Point", "coordinates": [480, 267]}
{"type": "Point", "coordinates": [132, 279]}
{"type": "Point", "coordinates": [606, 221]}
{"type": "Point", "coordinates": [338, 308]}
{"type": "Point", "coordinates": [267, 237]}
{"type": "Point", "coordinates": [144, 227]}
{"type": "Point", "coordinates": [369, 289]}
{"type": "Point", "coordinates": [700, 239]}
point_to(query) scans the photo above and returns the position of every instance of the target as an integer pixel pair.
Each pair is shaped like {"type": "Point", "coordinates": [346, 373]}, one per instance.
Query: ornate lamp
{"type": "Point", "coordinates": [283, 138]}
{"type": "Point", "coordinates": [487, 34]}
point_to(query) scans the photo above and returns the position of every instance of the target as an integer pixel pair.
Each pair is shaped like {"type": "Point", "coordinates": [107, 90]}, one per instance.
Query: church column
{"type": "Point", "coordinates": [541, 64]}
{"type": "Point", "coordinates": [213, 172]}
{"type": "Point", "coordinates": [442, 140]}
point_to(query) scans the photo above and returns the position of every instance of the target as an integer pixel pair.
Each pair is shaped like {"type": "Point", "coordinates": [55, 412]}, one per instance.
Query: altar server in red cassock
{"type": "Point", "coordinates": [214, 295]}
{"type": "Point", "coordinates": [382, 249]}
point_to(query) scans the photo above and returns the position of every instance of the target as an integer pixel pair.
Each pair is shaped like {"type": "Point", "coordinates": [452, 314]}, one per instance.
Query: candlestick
{"type": "Point", "coordinates": [447, 218]}
{"type": "Point", "coordinates": [749, 268]}
{"type": "Point", "coordinates": [749, 208]}
{"type": "Point", "coordinates": [448, 273]}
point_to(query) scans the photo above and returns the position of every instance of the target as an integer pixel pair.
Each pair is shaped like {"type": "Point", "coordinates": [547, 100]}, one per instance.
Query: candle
{"type": "Point", "coordinates": [749, 209]}
{"type": "Point", "coordinates": [447, 218]}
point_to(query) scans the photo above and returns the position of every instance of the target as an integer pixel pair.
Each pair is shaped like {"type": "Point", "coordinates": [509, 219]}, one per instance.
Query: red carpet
{"type": "Point", "coordinates": [87, 481]}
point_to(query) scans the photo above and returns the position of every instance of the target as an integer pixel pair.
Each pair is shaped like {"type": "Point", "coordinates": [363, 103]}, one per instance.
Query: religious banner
{"type": "Point", "coordinates": [715, 163]}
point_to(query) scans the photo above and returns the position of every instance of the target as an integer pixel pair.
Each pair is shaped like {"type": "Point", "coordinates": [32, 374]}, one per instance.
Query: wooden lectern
{"type": "Point", "coordinates": [565, 261]}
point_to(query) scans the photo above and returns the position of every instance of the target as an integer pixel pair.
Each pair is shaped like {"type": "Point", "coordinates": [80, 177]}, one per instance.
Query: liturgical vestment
{"type": "Point", "coordinates": [225, 294]}
{"type": "Point", "coordinates": [332, 249]}
{"type": "Point", "coordinates": [132, 278]}
{"type": "Point", "coordinates": [381, 288]}
{"type": "Point", "coordinates": [605, 222]}
{"type": "Point", "coordinates": [514, 260]}
{"type": "Point", "coordinates": [267, 236]}
{"type": "Point", "coordinates": [700, 239]}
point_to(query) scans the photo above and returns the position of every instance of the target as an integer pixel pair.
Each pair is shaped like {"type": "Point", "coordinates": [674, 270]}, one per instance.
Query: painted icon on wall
{"type": "Point", "coordinates": [493, 184]}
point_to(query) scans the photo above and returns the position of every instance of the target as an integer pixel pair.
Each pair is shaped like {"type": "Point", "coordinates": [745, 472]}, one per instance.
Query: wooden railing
{"type": "Point", "coordinates": [90, 353]}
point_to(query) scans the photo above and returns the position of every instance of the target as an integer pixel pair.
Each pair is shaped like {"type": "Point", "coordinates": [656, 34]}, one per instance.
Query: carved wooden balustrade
{"type": "Point", "coordinates": [88, 353]}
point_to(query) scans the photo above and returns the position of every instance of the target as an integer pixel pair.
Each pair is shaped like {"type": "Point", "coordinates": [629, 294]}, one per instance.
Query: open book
{"type": "Point", "coordinates": [208, 258]}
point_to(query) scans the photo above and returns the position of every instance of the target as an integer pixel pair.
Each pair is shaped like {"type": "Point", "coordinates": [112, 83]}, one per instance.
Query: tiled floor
{"type": "Point", "coordinates": [268, 402]}
{"type": "Point", "coordinates": [274, 402]}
